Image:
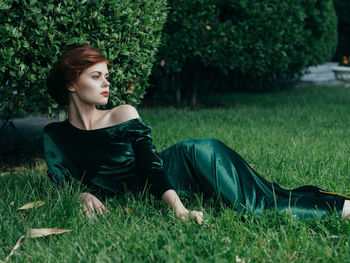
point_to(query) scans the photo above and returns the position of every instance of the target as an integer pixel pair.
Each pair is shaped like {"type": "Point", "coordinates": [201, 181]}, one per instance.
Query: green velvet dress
{"type": "Point", "coordinates": [123, 155]}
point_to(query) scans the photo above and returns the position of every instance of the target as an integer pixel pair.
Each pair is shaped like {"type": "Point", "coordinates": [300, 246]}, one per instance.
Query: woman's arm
{"type": "Point", "coordinates": [171, 198]}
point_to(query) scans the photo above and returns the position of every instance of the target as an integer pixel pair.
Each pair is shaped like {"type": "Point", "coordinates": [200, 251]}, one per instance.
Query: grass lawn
{"type": "Point", "coordinates": [294, 137]}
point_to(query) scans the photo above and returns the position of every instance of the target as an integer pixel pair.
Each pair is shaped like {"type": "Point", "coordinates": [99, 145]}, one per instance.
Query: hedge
{"type": "Point", "coordinates": [34, 33]}
{"type": "Point", "coordinates": [263, 44]}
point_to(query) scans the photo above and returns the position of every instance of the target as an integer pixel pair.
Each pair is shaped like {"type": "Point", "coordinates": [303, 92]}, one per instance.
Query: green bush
{"type": "Point", "coordinates": [342, 8]}
{"type": "Point", "coordinates": [263, 44]}
{"type": "Point", "coordinates": [33, 34]}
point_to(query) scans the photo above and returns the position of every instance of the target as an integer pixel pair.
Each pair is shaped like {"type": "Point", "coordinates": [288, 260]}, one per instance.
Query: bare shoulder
{"type": "Point", "coordinates": [123, 113]}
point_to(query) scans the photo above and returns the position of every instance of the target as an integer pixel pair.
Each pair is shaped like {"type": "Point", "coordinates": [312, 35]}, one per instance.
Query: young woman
{"type": "Point", "coordinates": [108, 149]}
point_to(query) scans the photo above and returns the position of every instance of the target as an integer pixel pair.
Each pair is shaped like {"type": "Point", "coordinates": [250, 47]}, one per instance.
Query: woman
{"type": "Point", "coordinates": [110, 149]}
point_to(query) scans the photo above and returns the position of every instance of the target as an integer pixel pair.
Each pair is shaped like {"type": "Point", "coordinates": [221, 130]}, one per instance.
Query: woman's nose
{"type": "Point", "coordinates": [106, 82]}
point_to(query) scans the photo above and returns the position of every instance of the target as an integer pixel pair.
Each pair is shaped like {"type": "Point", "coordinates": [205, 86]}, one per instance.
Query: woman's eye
{"type": "Point", "coordinates": [95, 77]}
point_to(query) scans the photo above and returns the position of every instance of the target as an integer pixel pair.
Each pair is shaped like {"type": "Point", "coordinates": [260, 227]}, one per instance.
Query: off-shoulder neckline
{"type": "Point", "coordinates": [104, 128]}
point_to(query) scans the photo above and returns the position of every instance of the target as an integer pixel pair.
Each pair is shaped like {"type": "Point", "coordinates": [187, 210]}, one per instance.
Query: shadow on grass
{"type": "Point", "coordinates": [17, 150]}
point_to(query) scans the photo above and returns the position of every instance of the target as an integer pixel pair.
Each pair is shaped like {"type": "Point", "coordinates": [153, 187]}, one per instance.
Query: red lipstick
{"type": "Point", "coordinates": [105, 93]}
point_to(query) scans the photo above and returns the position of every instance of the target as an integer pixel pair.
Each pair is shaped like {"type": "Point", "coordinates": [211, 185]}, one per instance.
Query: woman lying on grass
{"type": "Point", "coordinates": [106, 149]}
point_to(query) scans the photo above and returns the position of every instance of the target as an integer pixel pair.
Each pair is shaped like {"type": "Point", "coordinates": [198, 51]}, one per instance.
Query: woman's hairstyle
{"type": "Point", "coordinates": [67, 69]}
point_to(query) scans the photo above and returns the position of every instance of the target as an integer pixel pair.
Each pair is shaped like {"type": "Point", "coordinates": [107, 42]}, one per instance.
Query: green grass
{"type": "Point", "coordinates": [295, 137]}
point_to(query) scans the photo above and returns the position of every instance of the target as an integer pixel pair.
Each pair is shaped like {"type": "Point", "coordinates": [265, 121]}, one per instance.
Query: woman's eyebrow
{"type": "Point", "coordinates": [99, 72]}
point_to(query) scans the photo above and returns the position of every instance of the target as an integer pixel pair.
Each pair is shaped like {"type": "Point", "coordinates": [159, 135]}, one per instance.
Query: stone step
{"type": "Point", "coordinates": [320, 74]}
{"type": "Point", "coordinates": [29, 127]}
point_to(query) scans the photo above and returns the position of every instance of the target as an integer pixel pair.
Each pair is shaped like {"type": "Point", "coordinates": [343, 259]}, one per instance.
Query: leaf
{"type": "Point", "coordinates": [14, 248]}
{"type": "Point", "coordinates": [32, 205]}
{"type": "Point", "coordinates": [252, 165]}
{"type": "Point", "coordinates": [4, 6]}
{"type": "Point", "coordinates": [72, 40]}
{"type": "Point", "coordinates": [128, 210]}
{"type": "Point", "coordinates": [42, 232]}
{"type": "Point", "coordinates": [33, 233]}
{"type": "Point", "coordinates": [62, 115]}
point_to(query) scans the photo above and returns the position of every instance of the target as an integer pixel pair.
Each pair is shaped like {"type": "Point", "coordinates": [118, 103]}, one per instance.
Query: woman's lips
{"type": "Point", "coordinates": [105, 93]}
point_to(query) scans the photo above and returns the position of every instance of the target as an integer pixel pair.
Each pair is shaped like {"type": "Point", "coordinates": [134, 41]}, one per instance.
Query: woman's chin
{"type": "Point", "coordinates": [101, 103]}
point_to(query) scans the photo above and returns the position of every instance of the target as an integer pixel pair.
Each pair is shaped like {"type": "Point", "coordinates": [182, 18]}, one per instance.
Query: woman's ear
{"type": "Point", "coordinates": [72, 88]}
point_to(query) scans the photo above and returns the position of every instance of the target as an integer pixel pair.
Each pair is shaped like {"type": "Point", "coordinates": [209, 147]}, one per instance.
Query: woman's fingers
{"type": "Point", "coordinates": [184, 218]}
{"type": "Point", "coordinates": [98, 206]}
{"type": "Point", "coordinates": [90, 209]}
{"type": "Point", "coordinates": [198, 216]}
{"type": "Point", "coordinates": [103, 209]}
{"type": "Point", "coordinates": [85, 209]}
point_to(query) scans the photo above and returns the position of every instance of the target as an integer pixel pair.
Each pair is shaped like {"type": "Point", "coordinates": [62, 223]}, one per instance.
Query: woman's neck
{"type": "Point", "coordinates": [82, 115]}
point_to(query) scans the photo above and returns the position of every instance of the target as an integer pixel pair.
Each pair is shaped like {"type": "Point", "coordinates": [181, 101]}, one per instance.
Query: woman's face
{"type": "Point", "coordinates": [93, 85]}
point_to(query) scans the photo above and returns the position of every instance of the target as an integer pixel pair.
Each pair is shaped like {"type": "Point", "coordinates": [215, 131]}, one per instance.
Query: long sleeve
{"type": "Point", "coordinates": [148, 161]}
{"type": "Point", "coordinates": [57, 168]}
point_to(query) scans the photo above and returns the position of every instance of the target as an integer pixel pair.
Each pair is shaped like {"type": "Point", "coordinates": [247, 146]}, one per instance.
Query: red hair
{"type": "Point", "coordinates": [67, 69]}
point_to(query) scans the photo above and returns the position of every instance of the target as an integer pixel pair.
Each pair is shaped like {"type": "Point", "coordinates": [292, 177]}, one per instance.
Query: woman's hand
{"type": "Point", "coordinates": [91, 204]}
{"type": "Point", "coordinates": [185, 215]}
{"type": "Point", "coordinates": [171, 198]}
